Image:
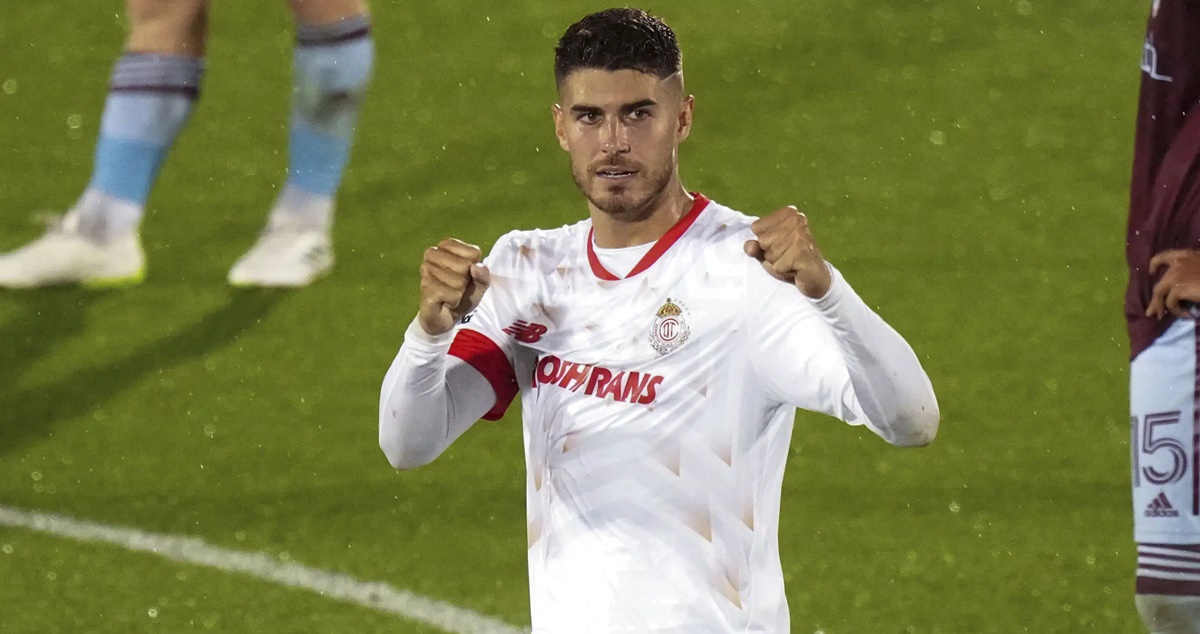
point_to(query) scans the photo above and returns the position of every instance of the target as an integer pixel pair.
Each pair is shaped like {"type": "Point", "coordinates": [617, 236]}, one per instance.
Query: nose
{"type": "Point", "coordinates": [614, 138]}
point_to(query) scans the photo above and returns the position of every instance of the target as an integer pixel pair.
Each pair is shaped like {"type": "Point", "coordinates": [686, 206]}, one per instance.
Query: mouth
{"type": "Point", "coordinates": [616, 173]}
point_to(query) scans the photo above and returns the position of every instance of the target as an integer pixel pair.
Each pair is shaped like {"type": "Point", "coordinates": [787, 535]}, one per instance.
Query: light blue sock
{"type": "Point", "coordinates": [331, 67]}
{"type": "Point", "coordinates": [149, 101]}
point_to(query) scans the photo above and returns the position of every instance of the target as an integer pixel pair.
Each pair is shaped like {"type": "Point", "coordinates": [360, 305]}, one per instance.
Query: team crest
{"type": "Point", "coordinates": [670, 329]}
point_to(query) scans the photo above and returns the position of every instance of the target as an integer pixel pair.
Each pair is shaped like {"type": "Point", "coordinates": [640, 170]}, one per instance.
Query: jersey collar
{"type": "Point", "coordinates": [660, 247]}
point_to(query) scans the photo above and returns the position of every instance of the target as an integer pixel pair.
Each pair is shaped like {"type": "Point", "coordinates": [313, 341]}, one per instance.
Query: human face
{"type": "Point", "coordinates": [622, 130]}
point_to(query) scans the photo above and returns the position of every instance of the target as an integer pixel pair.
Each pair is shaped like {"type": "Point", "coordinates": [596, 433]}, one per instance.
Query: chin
{"type": "Point", "coordinates": [616, 204]}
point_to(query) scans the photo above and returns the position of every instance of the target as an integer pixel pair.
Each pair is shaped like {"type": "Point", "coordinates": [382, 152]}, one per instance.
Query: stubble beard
{"type": "Point", "coordinates": [616, 203]}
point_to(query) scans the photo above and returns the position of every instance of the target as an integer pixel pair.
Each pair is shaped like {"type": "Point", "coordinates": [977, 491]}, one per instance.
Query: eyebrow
{"type": "Point", "coordinates": [625, 109]}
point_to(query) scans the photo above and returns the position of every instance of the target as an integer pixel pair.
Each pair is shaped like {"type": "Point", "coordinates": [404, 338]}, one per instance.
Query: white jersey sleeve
{"type": "Point", "coordinates": [428, 399]}
{"type": "Point", "coordinates": [836, 356]}
{"type": "Point", "coordinates": [438, 386]}
{"type": "Point", "coordinates": [488, 339]}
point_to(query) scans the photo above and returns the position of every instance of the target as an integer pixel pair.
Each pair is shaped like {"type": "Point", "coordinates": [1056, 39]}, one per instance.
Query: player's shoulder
{"type": "Point", "coordinates": [723, 229]}
{"type": "Point", "coordinates": [721, 235]}
{"type": "Point", "coordinates": [537, 249]}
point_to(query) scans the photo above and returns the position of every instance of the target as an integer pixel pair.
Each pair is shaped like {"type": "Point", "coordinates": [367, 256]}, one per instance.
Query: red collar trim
{"type": "Point", "coordinates": [660, 247]}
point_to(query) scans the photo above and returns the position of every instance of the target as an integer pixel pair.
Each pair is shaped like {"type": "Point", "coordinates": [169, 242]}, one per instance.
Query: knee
{"type": "Point", "coordinates": [1169, 614]}
{"type": "Point", "coordinates": [325, 11]}
{"type": "Point", "coordinates": [170, 26]}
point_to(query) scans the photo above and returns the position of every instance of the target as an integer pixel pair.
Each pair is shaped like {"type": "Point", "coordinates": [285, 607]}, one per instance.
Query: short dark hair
{"type": "Point", "coordinates": [618, 39]}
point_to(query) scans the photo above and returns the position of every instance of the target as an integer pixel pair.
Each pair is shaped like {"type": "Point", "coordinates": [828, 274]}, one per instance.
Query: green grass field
{"type": "Point", "coordinates": [964, 164]}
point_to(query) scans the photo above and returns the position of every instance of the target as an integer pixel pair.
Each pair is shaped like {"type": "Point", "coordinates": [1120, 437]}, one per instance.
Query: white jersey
{"type": "Point", "coordinates": [657, 412]}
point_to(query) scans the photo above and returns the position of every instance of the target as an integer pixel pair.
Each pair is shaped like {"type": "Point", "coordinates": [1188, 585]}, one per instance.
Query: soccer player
{"type": "Point", "coordinates": [660, 348]}
{"type": "Point", "coordinates": [155, 84]}
{"type": "Point", "coordinates": [1160, 308]}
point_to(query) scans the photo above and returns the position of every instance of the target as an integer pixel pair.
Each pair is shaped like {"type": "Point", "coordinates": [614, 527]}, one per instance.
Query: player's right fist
{"type": "Point", "coordinates": [452, 284]}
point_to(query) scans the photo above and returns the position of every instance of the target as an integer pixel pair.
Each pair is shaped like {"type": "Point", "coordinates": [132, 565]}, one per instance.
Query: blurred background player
{"type": "Point", "coordinates": [155, 84]}
{"type": "Point", "coordinates": [1164, 283]}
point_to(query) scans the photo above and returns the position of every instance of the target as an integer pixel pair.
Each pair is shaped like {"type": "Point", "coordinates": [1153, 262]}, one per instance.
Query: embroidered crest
{"type": "Point", "coordinates": [670, 329]}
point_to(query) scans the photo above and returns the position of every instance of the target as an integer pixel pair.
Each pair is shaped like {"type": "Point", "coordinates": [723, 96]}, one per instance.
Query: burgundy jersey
{"type": "Point", "coordinates": [1164, 205]}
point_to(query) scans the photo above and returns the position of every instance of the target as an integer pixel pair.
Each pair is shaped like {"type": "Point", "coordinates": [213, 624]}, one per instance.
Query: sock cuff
{"type": "Point", "coordinates": [345, 30]}
{"type": "Point", "coordinates": [157, 73]}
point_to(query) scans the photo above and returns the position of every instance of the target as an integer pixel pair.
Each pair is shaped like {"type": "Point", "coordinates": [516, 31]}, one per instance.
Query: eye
{"type": "Point", "coordinates": [640, 113]}
{"type": "Point", "coordinates": [588, 117]}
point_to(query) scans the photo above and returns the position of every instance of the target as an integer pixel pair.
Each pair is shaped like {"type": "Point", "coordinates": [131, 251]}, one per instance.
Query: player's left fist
{"type": "Point", "coordinates": [1179, 284]}
{"type": "Point", "coordinates": [787, 250]}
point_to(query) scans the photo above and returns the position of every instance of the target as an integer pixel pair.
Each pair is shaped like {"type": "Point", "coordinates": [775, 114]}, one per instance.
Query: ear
{"type": "Point", "coordinates": [560, 127]}
{"type": "Point", "coordinates": [685, 117]}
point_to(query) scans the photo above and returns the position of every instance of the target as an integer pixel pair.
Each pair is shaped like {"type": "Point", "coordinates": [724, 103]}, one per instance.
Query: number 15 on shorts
{"type": "Point", "coordinates": [1160, 455]}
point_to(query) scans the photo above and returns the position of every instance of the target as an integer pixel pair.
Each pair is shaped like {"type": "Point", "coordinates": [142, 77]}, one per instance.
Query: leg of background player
{"type": "Point", "coordinates": [1163, 393]}
{"type": "Point", "coordinates": [331, 67]}
{"type": "Point", "coordinates": [155, 82]}
{"type": "Point", "coordinates": [1164, 614]}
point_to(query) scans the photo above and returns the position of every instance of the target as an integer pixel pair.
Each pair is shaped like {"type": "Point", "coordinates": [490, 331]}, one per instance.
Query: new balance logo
{"type": "Point", "coordinates": [526, 332]}
{"type": "Point", "coordinates": [1161, 507]}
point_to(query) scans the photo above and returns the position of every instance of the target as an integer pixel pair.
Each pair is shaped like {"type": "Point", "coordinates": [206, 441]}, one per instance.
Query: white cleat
{"type": "Point", "coordinates": [65, 255]}
{"type": "Point", "coordinates": [284, 257]}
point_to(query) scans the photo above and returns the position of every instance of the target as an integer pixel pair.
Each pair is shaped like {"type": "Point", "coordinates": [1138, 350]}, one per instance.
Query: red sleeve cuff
{"type": "Point", "coordinates": [481, 353]}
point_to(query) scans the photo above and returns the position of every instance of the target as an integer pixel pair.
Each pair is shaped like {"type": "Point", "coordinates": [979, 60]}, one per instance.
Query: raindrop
{"type": "Point", "coordinates": [955, 507]}
{"type": "Point", "coordinates": [74, 121]}
{"type": "Point", "coordinates": [10, 86]}
{"type": "Point", "coordinates": [152, 613]}
{"type": "Point", "coordinates": [937, 137]}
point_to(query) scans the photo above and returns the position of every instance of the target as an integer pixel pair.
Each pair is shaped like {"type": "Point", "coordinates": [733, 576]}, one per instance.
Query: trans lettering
{"type": "Point", "coordinates": [597, 381]}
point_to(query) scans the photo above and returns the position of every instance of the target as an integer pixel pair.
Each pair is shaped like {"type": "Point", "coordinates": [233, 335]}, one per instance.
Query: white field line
{"type": "Point", "coordinates": [375, 595]}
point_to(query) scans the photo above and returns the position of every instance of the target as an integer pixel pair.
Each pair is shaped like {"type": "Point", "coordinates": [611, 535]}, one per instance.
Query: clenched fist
{"type": "Point", "coordinates": [452, 284]}
{"type": "Point", "coordinates": [788, 251]}
{"type": "Point", "coordinates": [1179, 287]}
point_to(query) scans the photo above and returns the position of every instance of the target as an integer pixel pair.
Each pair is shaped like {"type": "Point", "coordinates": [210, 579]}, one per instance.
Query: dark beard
{"type": "Point", "coordinates": [625, 209]}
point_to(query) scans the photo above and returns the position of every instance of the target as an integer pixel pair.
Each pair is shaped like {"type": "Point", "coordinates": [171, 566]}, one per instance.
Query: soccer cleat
{"type": "Point", "coordinates": [67, 255]}
{"type": "Point", "coordinates": [284, 256]}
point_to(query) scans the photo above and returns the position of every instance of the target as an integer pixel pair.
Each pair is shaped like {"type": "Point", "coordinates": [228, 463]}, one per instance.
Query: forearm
{"type": "Point", "coordinates": [428, 399]}
{"type": "Point", "coordinates": [891, 386]}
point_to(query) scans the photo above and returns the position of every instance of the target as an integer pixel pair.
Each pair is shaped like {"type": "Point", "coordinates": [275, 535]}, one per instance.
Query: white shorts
{"type": "Point", "coordinates": [1165, 443]}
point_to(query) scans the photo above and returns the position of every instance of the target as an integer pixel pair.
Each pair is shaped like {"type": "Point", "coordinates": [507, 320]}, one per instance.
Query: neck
{"type": "Point", "coordinates": [615, 232]}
